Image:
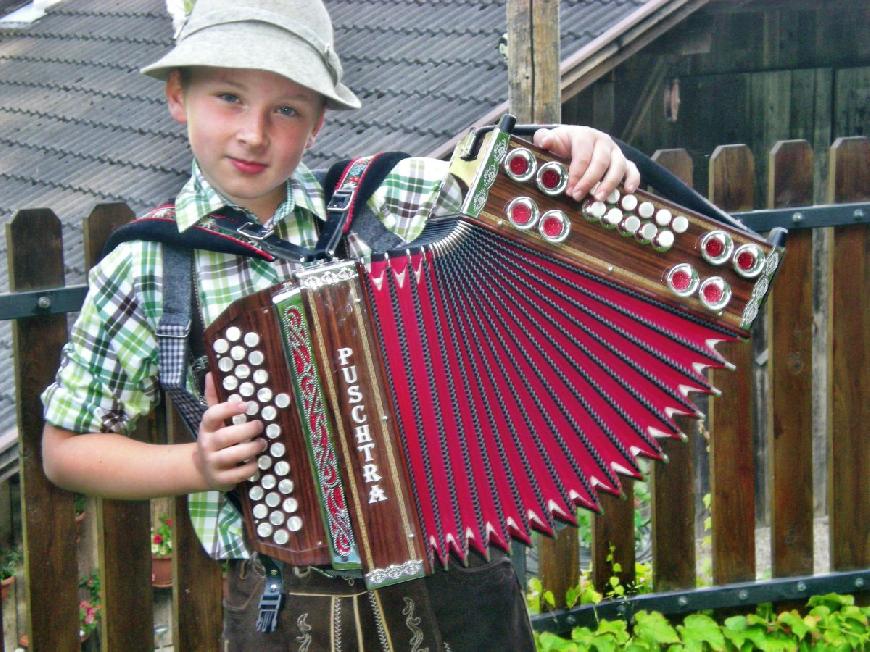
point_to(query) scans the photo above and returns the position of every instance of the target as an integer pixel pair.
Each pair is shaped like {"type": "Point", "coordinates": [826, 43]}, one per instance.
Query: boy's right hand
{"type": "Point", "coordinates": [226, 455]}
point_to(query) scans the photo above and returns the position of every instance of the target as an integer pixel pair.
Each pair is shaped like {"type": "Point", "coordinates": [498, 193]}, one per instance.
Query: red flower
{"type": "Point", "coordinates": [158, 539]}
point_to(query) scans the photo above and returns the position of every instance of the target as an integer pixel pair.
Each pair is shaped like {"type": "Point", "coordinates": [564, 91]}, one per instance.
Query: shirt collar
{"type": "Point", "coordinates": [198, 198]}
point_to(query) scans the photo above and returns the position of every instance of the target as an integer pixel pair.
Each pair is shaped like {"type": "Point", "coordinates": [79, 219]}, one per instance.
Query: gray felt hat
{"type": "Point", "coordinates": [292, 38]}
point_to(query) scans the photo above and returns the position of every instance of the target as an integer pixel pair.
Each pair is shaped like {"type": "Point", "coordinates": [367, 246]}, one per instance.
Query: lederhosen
{"type": "Point", "coordinates": [478, 607]}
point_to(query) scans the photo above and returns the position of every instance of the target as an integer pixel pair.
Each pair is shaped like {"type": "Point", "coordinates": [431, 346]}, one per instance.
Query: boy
{"type": "Point", "coordinates": [251, 80]}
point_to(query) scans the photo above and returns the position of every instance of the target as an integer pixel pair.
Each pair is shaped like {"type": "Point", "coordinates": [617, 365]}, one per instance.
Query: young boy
{"type": "Point", "coordinates": [251, 80]}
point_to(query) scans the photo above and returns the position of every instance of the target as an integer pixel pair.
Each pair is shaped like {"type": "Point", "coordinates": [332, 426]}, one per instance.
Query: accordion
{"type": "Point", "coordinates": [488, 379]}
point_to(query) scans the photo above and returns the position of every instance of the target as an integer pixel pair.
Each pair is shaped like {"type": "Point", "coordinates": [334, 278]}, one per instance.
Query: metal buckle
{"type": "Point", "coordinates": [341, 199]}
{"type": "Point", "coordinates": [262, 235]}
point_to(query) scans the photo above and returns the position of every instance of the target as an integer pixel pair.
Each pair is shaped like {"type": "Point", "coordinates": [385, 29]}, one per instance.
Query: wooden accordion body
{"type": "Point", "coordinates": [489, 379]}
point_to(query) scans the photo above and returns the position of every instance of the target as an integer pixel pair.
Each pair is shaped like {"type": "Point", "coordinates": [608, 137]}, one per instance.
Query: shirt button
{"type": "Point", "coordinates": [390, 221]}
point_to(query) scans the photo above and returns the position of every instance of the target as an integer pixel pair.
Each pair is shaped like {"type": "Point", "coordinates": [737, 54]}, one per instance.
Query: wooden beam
{"type": "Point", "coordinates": [533, 60]}
{"type": "Point", "coordinates": [534, 96]}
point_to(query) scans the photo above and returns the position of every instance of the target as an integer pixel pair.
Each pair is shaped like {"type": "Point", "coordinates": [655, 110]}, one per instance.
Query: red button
{"type": "Point", "coordinates": [519, 165]}
{"type": "Point", "coordinates": [746, 260]}
{"type": "Point", "coordinates": [681, 280]}
{"type": "Point", "coordinates": [714, 247]}
{"type": "Point", "coordinates": [551, 179]}
{"type": "Point", "coordinates": [552, 227]}
{"type": "Point", "coordinates": [521, 213]}
{"type": "Point", "coordinates": [712, 293]}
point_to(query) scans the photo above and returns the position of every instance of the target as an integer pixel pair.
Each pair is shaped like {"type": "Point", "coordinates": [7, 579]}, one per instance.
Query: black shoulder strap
{"type": "Point", "coordinates": [347, 187]}
{"type": "Point", "coordinates": [165, 230]}
{"type": "Point", "coordinates": [174, 331]}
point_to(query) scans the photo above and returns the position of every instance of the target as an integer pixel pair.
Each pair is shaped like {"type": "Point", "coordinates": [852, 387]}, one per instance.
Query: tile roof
{"type": "Point", "coordinates": [80, 126]}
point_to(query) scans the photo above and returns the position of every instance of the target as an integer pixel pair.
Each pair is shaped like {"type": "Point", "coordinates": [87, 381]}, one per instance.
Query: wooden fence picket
{"type": "Point", "coordinates": [848, 484]}
{"type": "Point", "coordinates": [790, 306]}
{"type": "Point", "coordinates": [732, 462]}
{"type": "Point", "coordinates": [48, 519]}
{"type": "Point", "coordinates": [673, 498]}
{"type": "Point", "coordinates": [197, 587]}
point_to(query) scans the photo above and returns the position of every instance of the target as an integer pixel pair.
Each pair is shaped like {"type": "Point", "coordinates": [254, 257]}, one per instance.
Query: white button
{"type": "Point", "coordinates": [282, 400]}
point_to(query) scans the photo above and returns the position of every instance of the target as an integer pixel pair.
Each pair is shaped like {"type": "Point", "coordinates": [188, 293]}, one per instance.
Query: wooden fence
{"type": "Point", "coordinates": [35, 264]}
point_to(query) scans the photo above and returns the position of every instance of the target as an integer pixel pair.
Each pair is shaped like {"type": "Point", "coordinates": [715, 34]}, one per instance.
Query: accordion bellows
{"type": "Point", "coordinates": [488, 380]}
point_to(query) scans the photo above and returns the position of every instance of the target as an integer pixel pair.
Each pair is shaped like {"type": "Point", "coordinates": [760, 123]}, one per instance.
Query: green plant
{"type": "Point", "coordinates": [80, 502]}
{"type": "Point", "coordinates": [832, 623]}
{"type": "Point", "coordinates": [161, 537]}
{"type": "Point", "coordinates": [9, 559]}
{"type": "Point", "coordinates": [89, 606]}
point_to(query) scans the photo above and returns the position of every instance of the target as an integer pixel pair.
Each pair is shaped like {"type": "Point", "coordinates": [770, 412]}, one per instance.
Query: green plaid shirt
{"type": "Point", "coordinates": [108, 373]}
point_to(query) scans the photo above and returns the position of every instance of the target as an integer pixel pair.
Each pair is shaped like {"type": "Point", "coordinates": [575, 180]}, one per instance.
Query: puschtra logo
{"type": "Point", "coordinates": [365, 445]}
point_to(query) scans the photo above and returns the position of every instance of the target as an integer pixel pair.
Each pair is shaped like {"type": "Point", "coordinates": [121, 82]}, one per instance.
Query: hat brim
{"type": "Point", "coordinates": [256, 46]}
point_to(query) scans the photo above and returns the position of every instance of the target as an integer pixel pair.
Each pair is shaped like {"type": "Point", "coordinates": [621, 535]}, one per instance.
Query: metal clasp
{"type": "Point", "coordinates": [341, 199]}
{"type": "Point", "coordinates": [246, 230]}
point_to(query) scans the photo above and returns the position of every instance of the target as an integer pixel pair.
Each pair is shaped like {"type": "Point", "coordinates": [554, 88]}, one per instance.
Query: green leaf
{"type": "Point", "coordinates": [617, 567]}
{"type": "Point", "coordinates": [794, 622]}
{"type": "Point", "coordinates": [549, 642]}
{"type": "Point", "coordinates": [654, 628]}
{"type": "Point", "coordinates": [572, 594]}
{"type": "Point", "coordinates": [832, 600]}
{"type": "Point", "coordinates": [549, 598]}
{"type": "Point", "coordinates": [618, 629]}
{"type": "Point", "coordinates": [698, 629]}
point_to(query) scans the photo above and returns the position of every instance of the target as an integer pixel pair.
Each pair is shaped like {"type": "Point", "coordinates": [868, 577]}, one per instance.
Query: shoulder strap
{"type": "Point", "coordinates": [174, 339]}
{"type": "Point", "coordinates": [347, 187]}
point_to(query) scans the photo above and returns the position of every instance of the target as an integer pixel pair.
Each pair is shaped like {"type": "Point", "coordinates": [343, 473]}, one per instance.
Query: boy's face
{"type": "Point", "coordinates": [248, 130]}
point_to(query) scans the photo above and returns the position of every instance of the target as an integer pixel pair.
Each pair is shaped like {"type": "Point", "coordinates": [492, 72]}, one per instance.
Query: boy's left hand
{"type": "Point", "coordinates": [597, 163]}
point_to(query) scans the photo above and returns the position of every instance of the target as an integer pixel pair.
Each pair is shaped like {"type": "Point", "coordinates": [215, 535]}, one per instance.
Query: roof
{"type": "Point", "coordinates": [80, 126]}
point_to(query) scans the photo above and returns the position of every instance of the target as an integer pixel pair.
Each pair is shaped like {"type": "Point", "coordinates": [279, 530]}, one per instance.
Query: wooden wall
{"type": "Point", "coordinates": [753, 72]}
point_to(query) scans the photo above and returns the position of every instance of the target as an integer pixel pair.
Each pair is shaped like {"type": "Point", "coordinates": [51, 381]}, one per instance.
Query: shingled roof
{"type": "Point", "coordinates": [80, 126]}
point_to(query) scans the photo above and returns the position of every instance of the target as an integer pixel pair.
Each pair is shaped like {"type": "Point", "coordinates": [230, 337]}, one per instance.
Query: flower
{"type": "Point", "coordinates": [161, 537]}
{"type": "Point", "coordinates": [89, 607]}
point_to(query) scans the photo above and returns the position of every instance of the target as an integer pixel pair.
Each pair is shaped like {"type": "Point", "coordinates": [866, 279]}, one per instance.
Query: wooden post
{"type": "Point", "coordinates": [122, 541]}
{"type": "Point", "coordinates": [849, 454]}
{"type": "Point", "coordinates": [790, 308]}
{"type": "Point", "coordinates": [535, 97]}
{"type": "Point", "coordinates": [533, 60]}
{"type": "Point", "coordinates": [50, 567]}
{"type": "Point", "coordinates": [672, 485]}
{"type": "Point", "coordinates": [732, 460]}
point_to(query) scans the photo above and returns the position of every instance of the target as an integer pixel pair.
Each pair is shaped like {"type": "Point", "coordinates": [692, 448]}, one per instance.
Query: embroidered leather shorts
{"type": "Point", "coordinates": [480, 607]}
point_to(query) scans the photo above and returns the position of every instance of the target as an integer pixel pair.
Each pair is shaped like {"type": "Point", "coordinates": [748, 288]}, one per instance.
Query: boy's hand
{"type": "Point", "coordinates": [595, 159]}
{"type": "Point", "coordinates": [226, 455]}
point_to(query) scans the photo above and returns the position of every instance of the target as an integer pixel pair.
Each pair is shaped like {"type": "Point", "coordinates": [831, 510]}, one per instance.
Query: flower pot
{"type": "Point", "coordinates": [161, 572]}
{"type": "Point", "coordinates": [6, 587]}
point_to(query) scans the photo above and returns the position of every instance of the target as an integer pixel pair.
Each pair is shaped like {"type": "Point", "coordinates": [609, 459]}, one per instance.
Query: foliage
{"type": "Point", "coordinates": [80, 502]}
{"type": "Point", "coordinates": [9, 559]}
{"type": "Point", "coordinates": [161, 537]}
{"type": "Point", "coordinates": [89, 606]}
{"type": "Point", "coordinates": [832, 623]}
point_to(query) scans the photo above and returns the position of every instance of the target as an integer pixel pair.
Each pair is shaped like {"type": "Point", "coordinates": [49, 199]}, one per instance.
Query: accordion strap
{"type": "Point", "coordinates": [174, 329]}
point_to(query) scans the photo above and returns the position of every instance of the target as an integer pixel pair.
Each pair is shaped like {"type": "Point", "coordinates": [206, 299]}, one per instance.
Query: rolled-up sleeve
{"type": "Point", "coordinates": [108, 371]}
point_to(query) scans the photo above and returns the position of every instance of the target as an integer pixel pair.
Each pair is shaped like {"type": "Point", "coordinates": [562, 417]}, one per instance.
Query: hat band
{"type": "Point", "coordinates": [198, 23]}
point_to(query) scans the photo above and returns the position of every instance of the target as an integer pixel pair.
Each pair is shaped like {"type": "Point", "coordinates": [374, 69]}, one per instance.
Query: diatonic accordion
{"type": "Point", "coordinates": [488, 379]}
